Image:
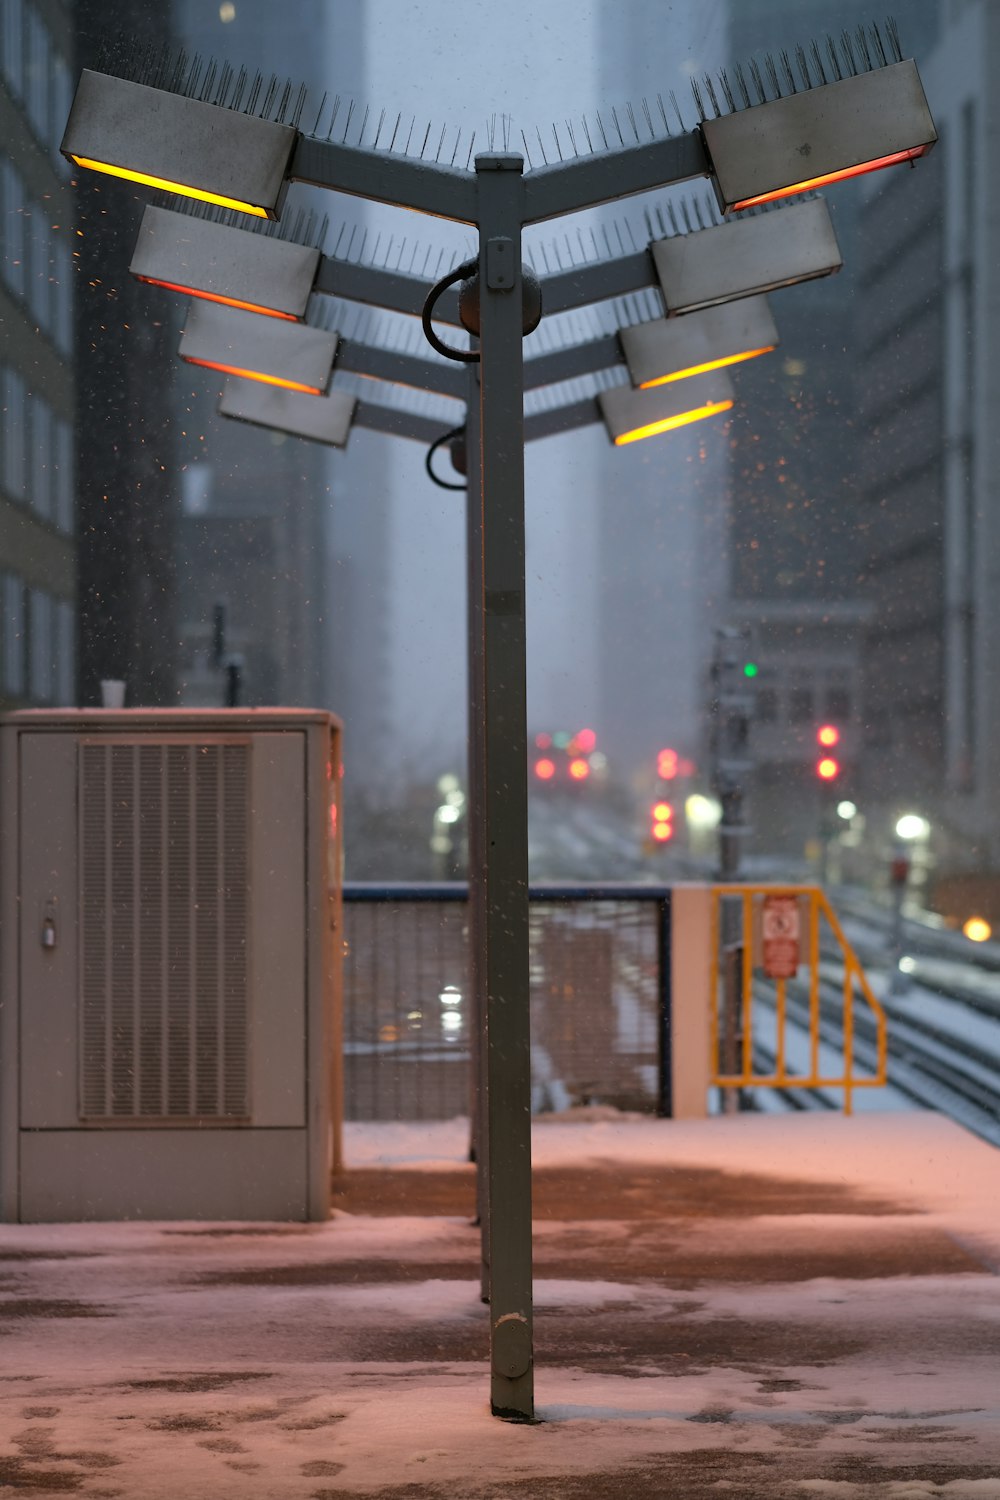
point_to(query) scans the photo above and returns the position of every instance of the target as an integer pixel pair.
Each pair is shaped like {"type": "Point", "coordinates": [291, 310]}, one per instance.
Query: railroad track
{"type": "Point", "coordinates": [929, 1065]}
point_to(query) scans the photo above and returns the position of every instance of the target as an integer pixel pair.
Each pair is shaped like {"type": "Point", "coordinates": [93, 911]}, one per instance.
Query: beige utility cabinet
{"type": "Point", "coordinates": [169, 964]}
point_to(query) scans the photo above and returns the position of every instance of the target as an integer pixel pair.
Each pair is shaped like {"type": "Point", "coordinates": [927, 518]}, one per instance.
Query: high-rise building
{"type": "Point", "coordinates": [288, 536]}
{"type": "Point", "coordinates": [927, 316]}
{"type": "Point", "coordinates": [798, 551]}
{"type": "Point", "coordinates": [126, 494]}
{"type": "Point", "coordinates": [661, 510]}
{"type": "Point", "coordinates": [38, 553]}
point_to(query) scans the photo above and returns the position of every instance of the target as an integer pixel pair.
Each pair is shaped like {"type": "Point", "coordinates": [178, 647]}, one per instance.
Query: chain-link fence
{"type": "Point", "coordinates": [597, 998]}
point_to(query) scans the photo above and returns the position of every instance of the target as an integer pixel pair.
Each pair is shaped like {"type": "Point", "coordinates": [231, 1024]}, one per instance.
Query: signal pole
{"type": "Point", "coordinates": [730, 710]}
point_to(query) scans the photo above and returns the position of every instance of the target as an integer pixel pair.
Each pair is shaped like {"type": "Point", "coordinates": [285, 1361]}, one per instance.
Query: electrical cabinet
{"type": "Point", "coordinates": [170, 952]}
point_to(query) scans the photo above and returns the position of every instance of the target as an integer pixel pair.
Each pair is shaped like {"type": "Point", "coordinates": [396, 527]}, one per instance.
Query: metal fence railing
{"type": "Point", "coordinates": [597, 998]}
{"type": "Point", "coordinates": [600, 974]}
{"type": "Point", "coordinates": [790, 1028]}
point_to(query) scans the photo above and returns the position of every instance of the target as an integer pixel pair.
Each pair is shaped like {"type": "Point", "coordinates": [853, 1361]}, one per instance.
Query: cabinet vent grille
{"type": "Point", "coordinates": [164, 903]}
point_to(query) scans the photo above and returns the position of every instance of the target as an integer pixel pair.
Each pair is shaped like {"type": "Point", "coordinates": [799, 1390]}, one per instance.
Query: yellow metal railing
{"type": "Point", "coordinates": [747, 943]}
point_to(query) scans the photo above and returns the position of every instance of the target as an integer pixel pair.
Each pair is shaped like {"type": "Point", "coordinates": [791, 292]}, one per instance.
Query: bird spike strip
{"type": "Point", "coordinates": [205, 79]}
{"type": "Point", "coordinates": [303, 227]}
{"type": "Point", "coordinates": [777, 76]}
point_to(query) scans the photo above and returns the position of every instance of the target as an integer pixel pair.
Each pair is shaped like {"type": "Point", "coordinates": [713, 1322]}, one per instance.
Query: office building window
{"type": "Point", "coordinates": [64, 510]}
{"type": "Point", "coordinates": [61, 84]}
{"type": "Point", "coordinates": [801, 706]}
{"type": "Point", "coordinates": [65, 684]}
{"type": "Point", "coordinates": [37, 64]}
{"type": "Point", "coordinates": [40, 456]}
{"type": "Point", "coordinates": [13, 412]}
{"type": "Point", "coordinates": [37, 268]}
{"type": "Point", "coordinates": [12, 42]}
{"type": "Point", "coordinates": [12, 664]}
{"type": "Point", "coordinates": [62, 296]}
{"type": "Point", "coordinates": [40, 646]}
{"type": "Point", "coordinates": [12, 226]}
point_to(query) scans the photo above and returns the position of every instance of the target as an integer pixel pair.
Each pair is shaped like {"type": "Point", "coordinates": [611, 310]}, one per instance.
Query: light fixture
{"type": "Point", "coordinates": [631, 415]}
{"type": "Point", "coordinates": [324, 419]}
{"type": "Point", "coordinates": [669, 349]}
{"type": "Point", "coordinates": [185, 146]}
{"type": "Point", "coordinates": [819, 136]}
{"type": "Point", "coordinates": [292, 356]}
{"type": "Point", "coordinates": [745, 257]}
{"type": "Point", "coordinates": [221, 263]}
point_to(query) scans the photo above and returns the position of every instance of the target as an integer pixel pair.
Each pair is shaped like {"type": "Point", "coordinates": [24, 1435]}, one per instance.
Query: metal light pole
{"type": "Point", "coordinates": [219, 150]}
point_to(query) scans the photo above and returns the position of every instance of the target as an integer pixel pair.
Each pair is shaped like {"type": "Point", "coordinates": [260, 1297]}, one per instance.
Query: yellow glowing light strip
{"type": "Point", "coordinates": [715, 364]}
{"type": "Point", "coordinates": [667, 423]}
{"type": "Point", "coordinates": [287, 385]}
{"type": "Point", "coordinates": [190, 291]}
{"type": "Point", "coordinates": [171, 187]}
{"type": "Point", "coordinates": [875, 165]}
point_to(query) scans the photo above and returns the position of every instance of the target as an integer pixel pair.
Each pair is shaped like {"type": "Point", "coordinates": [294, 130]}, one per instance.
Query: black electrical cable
{"type": "Point", "coordinates": [461, 273]}
{"type": "Point", "coordinates": [445, 437]}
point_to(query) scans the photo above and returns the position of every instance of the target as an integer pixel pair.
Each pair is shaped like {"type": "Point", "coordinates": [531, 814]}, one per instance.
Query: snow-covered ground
{"type": "Point", "coordinates": [216, 1361]}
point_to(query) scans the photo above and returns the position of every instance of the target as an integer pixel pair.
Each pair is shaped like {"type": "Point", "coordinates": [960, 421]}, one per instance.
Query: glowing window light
{"type": "Point", "coordinates": [810, 184]}
{"type": "Point", "coordinates": [714, 364]}
{"type": "Point", "coordinates": [167, 186]}
{"type": "Point", "coordinates": [977, 929]}
{"type": "Point", "coordinates": [667, 424]}
{"type": "Point", "coordinates": [579, 769]}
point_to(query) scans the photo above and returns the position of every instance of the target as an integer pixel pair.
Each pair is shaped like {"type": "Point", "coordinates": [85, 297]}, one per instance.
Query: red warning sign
{"type": "Point", "coordinates": [780, 934]}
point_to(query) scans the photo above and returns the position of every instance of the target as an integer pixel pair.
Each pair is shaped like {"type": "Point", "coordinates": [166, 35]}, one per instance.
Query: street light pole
{"type": "Point", "coordinates": [218, 152]}
{"type": "Point", "coordinates": [503, 814]}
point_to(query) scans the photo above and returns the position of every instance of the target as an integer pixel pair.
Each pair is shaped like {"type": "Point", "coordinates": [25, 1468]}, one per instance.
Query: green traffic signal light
{"type": "Point", "coordinates": [750, 669]}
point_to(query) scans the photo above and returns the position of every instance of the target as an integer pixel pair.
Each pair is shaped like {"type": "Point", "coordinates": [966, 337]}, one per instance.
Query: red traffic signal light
{"type": "Point", "coordinates": [545, 769]}
{"type": "Point", "coordinates": [662, 825]}
{"type": "Point", "coordinates": [667, 764]}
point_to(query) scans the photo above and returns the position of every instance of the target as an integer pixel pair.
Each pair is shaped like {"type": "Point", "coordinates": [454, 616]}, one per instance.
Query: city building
{"type": "Point", "coordinates": [126, 468]}
{"type": "Point", "coordinates": [800, 537]}
{"type": "Point", "coordinates": [38, 549]}
{"type": "Point", "coordinates": [927, 313]}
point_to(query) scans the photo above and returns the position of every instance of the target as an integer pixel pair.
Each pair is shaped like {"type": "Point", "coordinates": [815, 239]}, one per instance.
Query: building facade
{"type": "Point", "coordinates": [929, 309]}
{"type": "Point", "coordinates": [38, 549]}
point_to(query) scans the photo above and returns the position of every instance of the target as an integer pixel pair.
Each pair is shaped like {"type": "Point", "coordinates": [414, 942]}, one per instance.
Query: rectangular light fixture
{"type": "Point", "coordinates": [669, 349]}
{"type": "Point", "coordinates": [745, 257]}
{"type": "Point", "coordinates": [221, 263]}
{"type": "Point", "coordinates": [822, 135]}
{"type": "Point", "coordinates": [630, 415]}
{"type": "Point", "coordinates": [181, 145]}
{"type": "Point", "coordinates": [327, 420]}
{"type": "Point", "coordinates": [291, 355]}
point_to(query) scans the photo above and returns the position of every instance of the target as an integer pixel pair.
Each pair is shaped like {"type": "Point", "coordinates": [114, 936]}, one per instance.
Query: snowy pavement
{"type": "Point", "coordinates": [740, 1307]}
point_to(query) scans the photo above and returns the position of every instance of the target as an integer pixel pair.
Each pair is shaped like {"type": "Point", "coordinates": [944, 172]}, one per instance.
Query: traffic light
{"type": "Point", "coordinates": [579, 768]}
{"type": "Point", "coordinates": [733, 691]}
{"type": "Point", "coordinates": [667, 764]}
{"type": "Point", "coordinates": [827, 766]}
{"type": "Point", "coordinates": [661, 821]}
{"type": "Point", "coordinates": [545, 768]}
